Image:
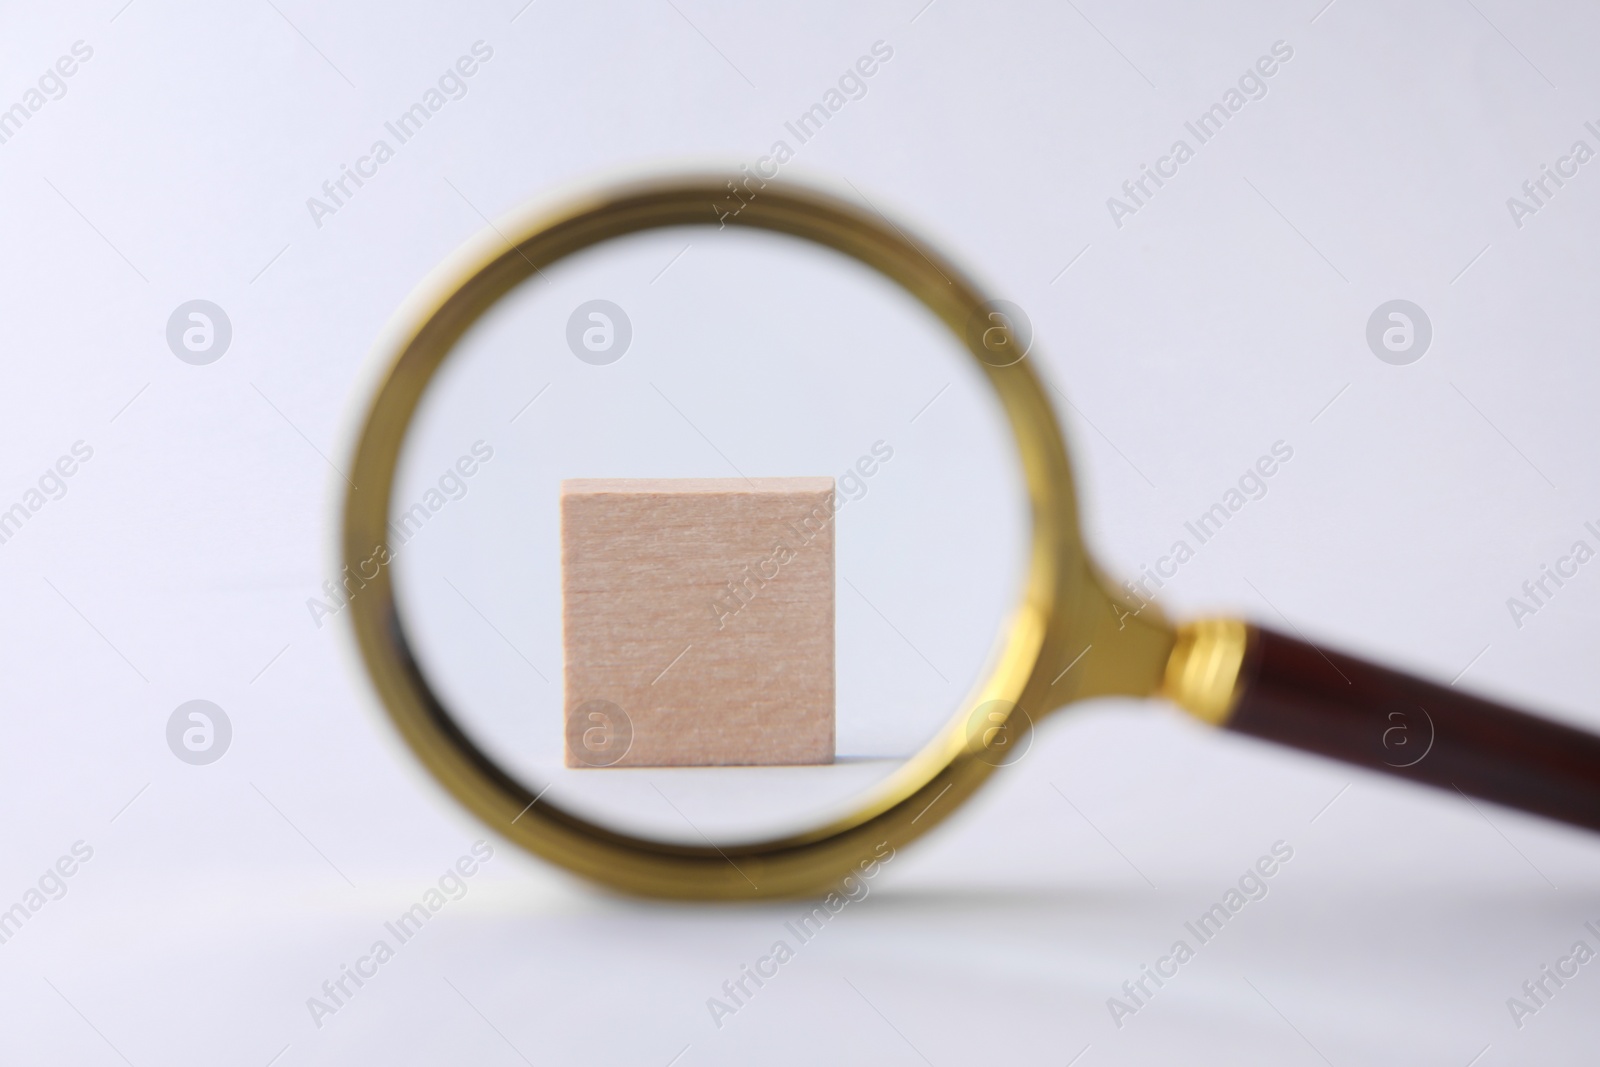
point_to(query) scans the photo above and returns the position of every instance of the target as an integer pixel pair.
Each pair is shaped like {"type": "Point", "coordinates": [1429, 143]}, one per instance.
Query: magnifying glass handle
{"type": "Point", "coordinates": [1297, 694]}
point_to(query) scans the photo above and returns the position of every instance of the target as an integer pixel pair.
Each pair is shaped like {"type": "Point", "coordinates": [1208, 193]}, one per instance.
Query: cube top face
{"type": "Point", "coordinates": [698, 621]}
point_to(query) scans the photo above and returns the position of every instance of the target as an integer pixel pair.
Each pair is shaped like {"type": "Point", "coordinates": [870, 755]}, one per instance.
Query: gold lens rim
{"type": "Point", "coordinates": [1064, 605]}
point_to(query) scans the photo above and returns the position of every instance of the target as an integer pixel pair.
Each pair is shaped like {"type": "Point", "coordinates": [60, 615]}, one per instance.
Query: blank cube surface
{"type": "Point", "coordinates": [698, 621]}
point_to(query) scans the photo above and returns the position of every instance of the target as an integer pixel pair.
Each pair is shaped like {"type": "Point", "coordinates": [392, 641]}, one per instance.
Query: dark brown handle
{"type": "Point", "coordinates": [1340, 706]}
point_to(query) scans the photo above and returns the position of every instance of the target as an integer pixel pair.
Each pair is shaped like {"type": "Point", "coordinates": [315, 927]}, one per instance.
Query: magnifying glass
{"type": "Point", "coordinates": [595, 414]}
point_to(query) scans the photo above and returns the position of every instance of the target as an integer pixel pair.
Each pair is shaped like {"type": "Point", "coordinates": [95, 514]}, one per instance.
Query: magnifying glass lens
{"type": "Point", "coordinates": [701, 534]}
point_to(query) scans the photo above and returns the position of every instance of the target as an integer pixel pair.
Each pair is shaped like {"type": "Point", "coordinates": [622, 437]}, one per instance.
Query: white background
{"type": "Point", "coordinates": [1227, 314]}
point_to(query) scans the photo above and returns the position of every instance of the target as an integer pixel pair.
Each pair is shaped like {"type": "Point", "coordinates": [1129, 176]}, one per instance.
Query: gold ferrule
{"type": "Point", "coordinates": [1202, 674]}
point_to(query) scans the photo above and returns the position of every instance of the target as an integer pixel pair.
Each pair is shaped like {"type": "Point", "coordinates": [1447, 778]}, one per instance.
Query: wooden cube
{"type": "Point", "coordinates": [698, 621]}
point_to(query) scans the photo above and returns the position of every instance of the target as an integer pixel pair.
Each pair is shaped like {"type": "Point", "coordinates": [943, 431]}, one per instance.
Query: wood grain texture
{"type": "Point", "coordinates": [698, 621]}
{"type": "Point", "coordinates": [1340, 706]}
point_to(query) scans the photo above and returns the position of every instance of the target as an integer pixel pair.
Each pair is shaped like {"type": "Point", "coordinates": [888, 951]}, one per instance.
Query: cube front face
{"type": "Point", "coordinates": [698, 621]}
